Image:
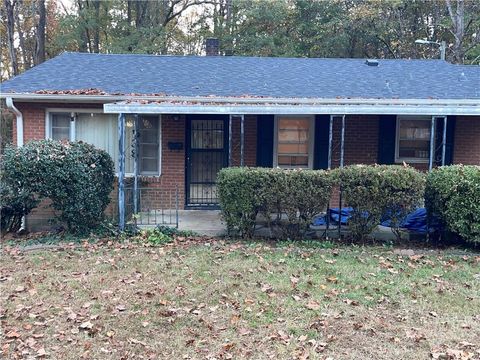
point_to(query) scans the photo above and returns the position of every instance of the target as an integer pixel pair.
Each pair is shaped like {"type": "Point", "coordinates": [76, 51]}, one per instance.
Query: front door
{"type": "Point", "coordinates": [207, 153]}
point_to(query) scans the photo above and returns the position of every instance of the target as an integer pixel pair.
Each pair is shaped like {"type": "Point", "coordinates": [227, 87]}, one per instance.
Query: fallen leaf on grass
{"type": "Point", "coordinates": [135, 341]}
{"type": "Point", "coordinates": [12, 335]}
{"type": "Point", "coordinates": [332, 279]}
{"type": "Point", "coordinates": [415, 335]}
{"type": "Point", "coordinates": [266, 288]}
{"type": "Point", "coordinates": [244, 331]}
{"type": "Point", "coordinates": [228, 346]}
{"type": "Point", "coordinates": [87, 325]}
{"type": "Point", "coordinates": [41, 352]}
{"type": "Point", "coordinates": [313, 305]}
{"type": "Point", "coordinates": [86, 305]}
{"type": "Point", "coordinates": [351, 302]}
{"type": "Point", "coordinates": [294, 280]}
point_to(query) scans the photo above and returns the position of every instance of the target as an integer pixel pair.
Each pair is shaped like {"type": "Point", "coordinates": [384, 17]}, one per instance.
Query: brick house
{"type": "Point", "coordinates": [171, 122]}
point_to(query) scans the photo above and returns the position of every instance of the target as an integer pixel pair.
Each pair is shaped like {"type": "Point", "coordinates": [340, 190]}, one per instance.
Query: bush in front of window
{"type": "Point", "coordinates": [453, 195]}
{"type": "Point", "coordinates": [75, 176]}
{"type": "Point", "coordinates": [378, 191]}
{"type": "Point", "coordinates": [288, 199]}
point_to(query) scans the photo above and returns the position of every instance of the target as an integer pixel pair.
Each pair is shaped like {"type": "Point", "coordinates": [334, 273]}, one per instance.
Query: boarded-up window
{"type": "Point", "coordinates": [293, 142]}
{"type": "Point", "coordinates": [413, 139]}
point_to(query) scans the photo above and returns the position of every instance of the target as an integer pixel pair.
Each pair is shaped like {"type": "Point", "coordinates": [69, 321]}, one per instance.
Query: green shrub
{"type": "Point", "coordinates": [404, 189]}
{"type": "Point", "coordinates": [14, 204]}
{"type": "Point", "coordinates": [294, 197]}
{"type": "Point", "coordinates": [300, 194]}
{"type": "Point", "coordinates": [453, 195]}
{"type": "Point", "coordinates": [238, 193]}
{"type": "Point", "coordinates": [75, 176]}
{"type": "Point", "coordinates": [162, 235]}
{"type": "Point", "coordinates": [374, 191]}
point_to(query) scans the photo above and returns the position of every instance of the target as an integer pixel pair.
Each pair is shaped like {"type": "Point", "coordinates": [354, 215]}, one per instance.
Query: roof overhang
{"type": "Point", "coordinates": [145, 104]}
{"type": "Point", "coordinates": [258, 106]}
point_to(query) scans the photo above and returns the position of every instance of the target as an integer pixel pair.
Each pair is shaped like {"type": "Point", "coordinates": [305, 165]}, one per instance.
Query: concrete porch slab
{"type": "Point", "coordinates": [209, 223]}
{"type": "Point", "coordinates": [203, 222]}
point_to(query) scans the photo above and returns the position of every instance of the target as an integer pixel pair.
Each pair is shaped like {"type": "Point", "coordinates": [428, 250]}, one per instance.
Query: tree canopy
{"type": "Point", "coordinates": [35, 30]}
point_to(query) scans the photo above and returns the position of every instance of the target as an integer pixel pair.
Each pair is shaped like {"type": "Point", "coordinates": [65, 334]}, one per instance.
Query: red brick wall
{"type": "Point", "coordinates": [34, 118]}
{"type": "Point", "coordinates": [467, 141]}
{"type": "Point", "coordinates": [361, 140]}
{"type": "Point", "coordinates": [250, 141]}
{"type": "Point", "coordinates": [361, 147]}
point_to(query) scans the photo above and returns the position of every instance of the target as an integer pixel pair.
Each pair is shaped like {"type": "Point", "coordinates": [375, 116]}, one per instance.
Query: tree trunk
{"type": "Point", "coordinates": [40, 36]}
{"type": "Point", "coordinates": [9, 8]}
{"type": "Point", "coordinates": [458, 29]}
{"type": "Point", "coordinates": [26, 60]}
{"type": "Point", "coordinates": [96, 33]}
{"type": "Point", "coordinates": [83, 45]}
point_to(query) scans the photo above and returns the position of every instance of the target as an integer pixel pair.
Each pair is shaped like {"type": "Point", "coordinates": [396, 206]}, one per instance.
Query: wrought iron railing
{"type": "Point", "coordinates": [154, 206]}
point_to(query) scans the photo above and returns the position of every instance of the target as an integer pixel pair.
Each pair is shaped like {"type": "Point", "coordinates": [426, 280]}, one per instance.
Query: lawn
{"type": "Point", "coordinates": [229, 300]}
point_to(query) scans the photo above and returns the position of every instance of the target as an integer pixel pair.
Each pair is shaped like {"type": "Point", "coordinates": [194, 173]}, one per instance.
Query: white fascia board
{"type": "Point", "coordinates": [354, 109]}
{"type": "Point", "coordinates": [230, 100]}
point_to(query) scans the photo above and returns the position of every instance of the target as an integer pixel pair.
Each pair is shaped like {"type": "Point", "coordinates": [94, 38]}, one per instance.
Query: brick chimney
{"type": "Point", "coordinates": [212, 47]}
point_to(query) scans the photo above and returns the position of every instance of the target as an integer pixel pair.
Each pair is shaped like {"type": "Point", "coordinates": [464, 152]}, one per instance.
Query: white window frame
{"type": "Point", "coordinates": [48, 132]}
{"type": "Point", "coordinates": [159, 172]}
{"type": "Point", "coordinates": [413, 160]}
{"type": "Point", "coordinates": [311, 140]}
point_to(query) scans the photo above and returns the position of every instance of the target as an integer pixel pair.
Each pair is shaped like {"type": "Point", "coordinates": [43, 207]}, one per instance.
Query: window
{"type": "Point", "coordinates": [60, 126]}
{"type": "Point", "coordinates": [101, 130]}
{"type": "Point", "coordinates": [149, 143]}
{"type": "Point", "coordinates": [294, 137]}
{"type": "Point", "coordinates": [413, 139]}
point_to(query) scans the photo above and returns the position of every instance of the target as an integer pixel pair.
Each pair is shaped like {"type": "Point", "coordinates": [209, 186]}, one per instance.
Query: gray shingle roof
{"type": "Point", "coordinates": [255, 76]}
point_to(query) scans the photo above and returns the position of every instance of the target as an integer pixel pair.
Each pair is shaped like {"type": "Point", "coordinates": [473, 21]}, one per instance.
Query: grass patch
{"type": "Point", "coordinates": [238, 300]}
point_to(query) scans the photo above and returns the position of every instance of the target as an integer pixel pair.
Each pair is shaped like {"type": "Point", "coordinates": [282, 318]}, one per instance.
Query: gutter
{"type": "Point", "coordinates": [284, 109]}
{"type": "Point", "coordinates": [19, 122]}
{"type": "Point", "coordinates": [23, 97]}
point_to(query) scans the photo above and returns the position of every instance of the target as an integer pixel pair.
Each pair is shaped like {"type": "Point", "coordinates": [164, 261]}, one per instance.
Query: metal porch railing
{"type": "Point", "coordinates": [155, 206]}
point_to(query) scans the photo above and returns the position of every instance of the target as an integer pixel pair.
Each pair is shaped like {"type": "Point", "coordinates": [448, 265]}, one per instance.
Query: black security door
{"type": "Point", "coordinates": [207, 153]}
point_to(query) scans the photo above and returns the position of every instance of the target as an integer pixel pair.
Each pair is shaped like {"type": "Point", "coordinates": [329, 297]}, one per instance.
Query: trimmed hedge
{"type": "Point", "coordinates": [453, 195]}
{"type": "Point", "coordinates": [378, 190]}
{"type": "Point", "coordinates": [293, 196]}
{"type": "Point", "coordinates": [77, 177]}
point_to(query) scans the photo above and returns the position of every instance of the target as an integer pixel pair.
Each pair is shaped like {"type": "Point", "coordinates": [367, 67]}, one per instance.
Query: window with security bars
{"type": "Point", "coordinates": [293, 142]}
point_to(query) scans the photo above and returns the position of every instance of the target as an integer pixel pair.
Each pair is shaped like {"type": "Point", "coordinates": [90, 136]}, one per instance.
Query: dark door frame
{"type": "Point", "coordinates": [188, 152]}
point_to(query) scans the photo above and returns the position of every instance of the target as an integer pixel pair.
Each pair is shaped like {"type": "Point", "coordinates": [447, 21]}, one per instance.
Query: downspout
{"type": "Point", "coordinates": [18, 114]}
{"type": "Point", "coordinates": [19, 122]}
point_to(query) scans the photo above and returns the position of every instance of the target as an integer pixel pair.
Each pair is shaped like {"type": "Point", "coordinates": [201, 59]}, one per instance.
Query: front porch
{"type": "Point", "coordinates": [197, 143]}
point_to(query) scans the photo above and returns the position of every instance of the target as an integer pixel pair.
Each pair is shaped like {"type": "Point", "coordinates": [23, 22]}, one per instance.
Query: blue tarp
{"type": "Point", "coordinates": [415, 221]}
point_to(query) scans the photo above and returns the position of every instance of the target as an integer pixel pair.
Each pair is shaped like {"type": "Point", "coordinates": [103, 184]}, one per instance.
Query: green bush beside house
{"type": "Point", "coordinates": [75, 176]}
{"type": "Point", "coordinates": [453, 195]}
{"type": "Point", "coordinates": [289, 199]}
{"type": "Point", "coordinates": [375, 191]}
